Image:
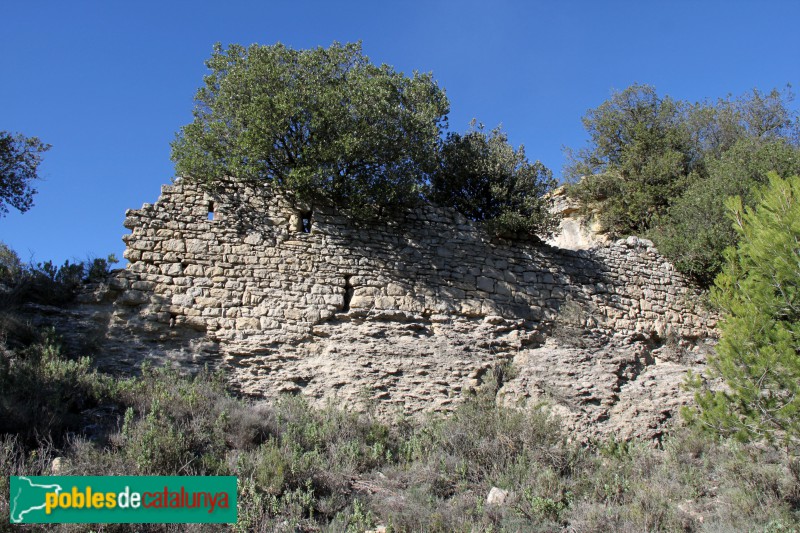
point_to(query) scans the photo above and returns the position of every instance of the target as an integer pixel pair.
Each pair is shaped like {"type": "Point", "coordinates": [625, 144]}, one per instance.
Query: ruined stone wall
{"type": "Point", "coordinates": [251, 270]}
{"type": "Point", "coordinates": [409, 311]}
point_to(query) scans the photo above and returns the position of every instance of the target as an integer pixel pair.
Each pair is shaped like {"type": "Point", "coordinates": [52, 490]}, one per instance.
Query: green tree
{"type": "Point", "coordinates": [759, 293]}
{"type": "Point", "coordinates": [323, 126]}
{"type": "Point", "coordinates": [20, 157]}
{"type": "Point", "coordinates": [486, 179]}
{"type": "Point", "coordinates": [757, 116]}
{"type": "Point", "coordinates": [695, 230]}
{"type": "Point", "coordinates": [639, 155]}
{"type": "Point", "coordinates": [664, 168]}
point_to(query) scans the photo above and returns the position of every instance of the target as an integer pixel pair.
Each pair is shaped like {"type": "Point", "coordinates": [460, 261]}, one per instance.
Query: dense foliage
{"type": "Point", "coordinates": [328, 127]}
{"type": "Point", "coordinates": [485, 178]}
{"type": "Point", "coordinates": [325, 125]}
{"type": "Point", "coordinates": [20, 157]}
{"type": "Point", "coordinates": [695, 230]}
{"type": "Point", "coordinates": [759, 351]}
{"type": "Point", "coordinates": [639, 156]}
{"type": "Point", "coordinates": [663, 168]}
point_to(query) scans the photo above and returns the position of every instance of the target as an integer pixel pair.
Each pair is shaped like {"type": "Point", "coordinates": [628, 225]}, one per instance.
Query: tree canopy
{"type": "Point", "coordinates": [325, 125]}
{"type": "Point", "coordinates": [328, 127]}
{"type": "Point", "coordinates": [758, 292]}
{"type": "Point", "coordinates": [663, 168]}
{"type": "Point", "coordinates": [639, 155]}
{"type": "Point", "coordinates": [20, 157]}
{"type": "Point", "coordinates": [694, 231]}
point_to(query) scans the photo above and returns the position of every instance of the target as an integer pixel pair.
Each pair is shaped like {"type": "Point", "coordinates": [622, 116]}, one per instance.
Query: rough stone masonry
{"type": "Point", "coordinates": [403, 315]}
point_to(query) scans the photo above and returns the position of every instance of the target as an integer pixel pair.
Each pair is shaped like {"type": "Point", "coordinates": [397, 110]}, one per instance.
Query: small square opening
{"type": "Point", "coordinates": [305, 221]}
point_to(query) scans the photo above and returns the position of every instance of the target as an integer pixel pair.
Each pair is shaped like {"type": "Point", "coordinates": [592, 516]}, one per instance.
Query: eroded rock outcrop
{"type": "Point", "coordinates": [405, 314]}
{"type": "Point", "coordinates": [576, 229]}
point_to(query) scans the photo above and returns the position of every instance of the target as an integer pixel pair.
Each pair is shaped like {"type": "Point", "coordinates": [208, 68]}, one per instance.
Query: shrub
{"type": "Point", "coordinates": [483, 177]}
{"type": "Point", "coordinates": [46, 282]}
{"type": "Point", "coordinates": [43, 393]}
{"type": "Point", "coordinates": [639, 156]}
{"type": "Point", "coordinates": [99, 268]}
{"type": "Point", "coordinates": [10, 265]}
{"type": "Point", "coordinates": [695, 231]}
{"type": "Point", "coordinates": [328, 127]}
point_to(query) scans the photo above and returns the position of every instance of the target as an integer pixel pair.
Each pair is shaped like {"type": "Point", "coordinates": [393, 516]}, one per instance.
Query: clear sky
{"type": "Point", "coordinates": [108, 83]}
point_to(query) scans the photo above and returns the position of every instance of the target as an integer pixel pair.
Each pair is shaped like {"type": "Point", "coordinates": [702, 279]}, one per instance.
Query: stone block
{"type": "Point", "coordinates": [361, 302]}
{"type": "Point", "coordinates": [132, 297]}
{"type": "Point", "coordinates": [143, 285]}
{"type": "Point", "coordinates": [502, 288]}
{"type": "Point", "coordinates": [132, 255]}
{"type": "Point", "coordinates": [247, 323]}
{"type": "Point", "coordinates": [444, 251]}
{"type": "Point", "coordinates": [394, 289]}
{"type": "Point", "coordinates": [182, 300]}
{"type": "Point", "coordinates": [194, 270]}
{"type": "Point", "coordinates": [141, 244]}
{"type": "Point", "coordinates": [485, 284]}
{"type": "Point", "coordinates": [173, 245]}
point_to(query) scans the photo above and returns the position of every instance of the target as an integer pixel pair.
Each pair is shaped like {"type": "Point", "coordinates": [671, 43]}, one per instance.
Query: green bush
{"type": "Point", "coordinates": [47, 283]}
{"type": "Point", "coordinates": [327, 127]}
{"type": "Point", "coordinates": [43, 393]}
{"type": "Point", "coordinates": [99, 268]}
{"type": "Point", "coordinates": [10, 264]}
{"type": "Point", "coordinates": [639, 156]}
{"type": "Point", "coordinates": [695, 231]}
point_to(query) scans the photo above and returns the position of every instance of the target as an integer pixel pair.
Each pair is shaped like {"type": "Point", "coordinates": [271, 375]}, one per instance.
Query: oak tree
{"type": "Point", "coordinates": [324, 125]}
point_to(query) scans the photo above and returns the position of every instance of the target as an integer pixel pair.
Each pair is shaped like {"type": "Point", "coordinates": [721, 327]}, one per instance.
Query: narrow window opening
{"type": "Point", "coordinates": [210, 210]}
{"type": "Point", "coordinates": [305, 221]}
{"type": "Point", "coordinates": [348, 294]}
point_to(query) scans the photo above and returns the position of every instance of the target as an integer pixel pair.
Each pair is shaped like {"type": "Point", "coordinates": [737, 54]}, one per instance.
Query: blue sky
{"type": "Point", "coordinates": [109, 83]}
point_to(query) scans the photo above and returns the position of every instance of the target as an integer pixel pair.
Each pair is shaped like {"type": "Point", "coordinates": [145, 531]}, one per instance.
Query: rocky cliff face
{"type": "Point", "coordinates": [406, 314]}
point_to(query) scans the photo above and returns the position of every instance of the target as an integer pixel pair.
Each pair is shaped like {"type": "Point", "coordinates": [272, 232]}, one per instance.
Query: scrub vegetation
{"type": "Point", "coordinates": [322, 469]}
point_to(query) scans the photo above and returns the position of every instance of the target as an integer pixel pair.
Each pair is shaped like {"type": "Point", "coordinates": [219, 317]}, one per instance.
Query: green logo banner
{"type": "Point", "coordinates": [122, 499]}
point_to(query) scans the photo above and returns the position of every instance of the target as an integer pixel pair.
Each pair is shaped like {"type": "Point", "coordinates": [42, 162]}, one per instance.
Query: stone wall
{"type": "Point", "coordinates": [407, 312]}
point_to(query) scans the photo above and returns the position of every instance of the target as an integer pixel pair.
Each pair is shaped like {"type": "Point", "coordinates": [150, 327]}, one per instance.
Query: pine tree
{"type": "Point", "coordinates": [758, 291]}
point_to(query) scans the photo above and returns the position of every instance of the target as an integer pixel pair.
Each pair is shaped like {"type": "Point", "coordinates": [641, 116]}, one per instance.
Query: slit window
{"type": "Point", "coordinates": [210, 210]}
{"type": "Point", "coordinates": [349, 290]}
